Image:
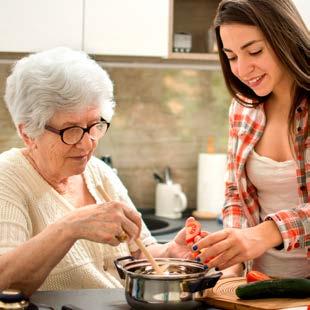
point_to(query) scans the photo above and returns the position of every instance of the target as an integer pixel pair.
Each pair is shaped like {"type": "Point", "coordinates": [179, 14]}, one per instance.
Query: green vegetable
{"type": "Point", "coordinates": [277, 288]}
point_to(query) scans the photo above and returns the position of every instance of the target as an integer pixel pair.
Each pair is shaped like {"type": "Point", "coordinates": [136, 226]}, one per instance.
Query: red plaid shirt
{"type": "Point", "coordinates": [241, 207]}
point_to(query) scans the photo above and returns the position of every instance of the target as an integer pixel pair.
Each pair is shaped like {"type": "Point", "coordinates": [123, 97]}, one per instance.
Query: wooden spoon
{"type": "Point", "coordinates": [138, 241]}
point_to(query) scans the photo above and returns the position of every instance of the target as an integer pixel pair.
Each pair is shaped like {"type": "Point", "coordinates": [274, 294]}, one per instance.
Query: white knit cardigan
{"type": "Point", "coordinates": [28, 204]}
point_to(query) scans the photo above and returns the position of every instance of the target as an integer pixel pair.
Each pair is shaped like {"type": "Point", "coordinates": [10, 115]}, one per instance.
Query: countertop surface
{"type": "Point", "coordinates": [87, 299]}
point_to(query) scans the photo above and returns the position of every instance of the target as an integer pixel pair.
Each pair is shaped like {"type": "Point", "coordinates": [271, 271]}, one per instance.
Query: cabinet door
{"type": "Point", "coordinates": [126, 27]}
{"type": "Point", "coordinates": [33, 25]}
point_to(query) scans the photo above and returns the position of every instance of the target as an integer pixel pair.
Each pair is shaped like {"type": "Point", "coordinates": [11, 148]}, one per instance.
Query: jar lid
{"type": "Point", "coordinates": [13, 299]}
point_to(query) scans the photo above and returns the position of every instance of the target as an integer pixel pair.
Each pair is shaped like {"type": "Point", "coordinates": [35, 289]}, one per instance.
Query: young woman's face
{"type": "Point", "coordinates": [251, 59]}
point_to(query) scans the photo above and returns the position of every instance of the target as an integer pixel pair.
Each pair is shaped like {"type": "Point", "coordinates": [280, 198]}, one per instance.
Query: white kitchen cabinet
{"type": "Point", "coordinates": [33, 25]}
{"type": "Point", "coordinates": [127, 27]}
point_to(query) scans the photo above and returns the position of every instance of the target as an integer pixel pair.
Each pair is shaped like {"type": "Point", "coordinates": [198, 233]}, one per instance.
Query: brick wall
{"type": "Point", "coordinates": [163, 118]}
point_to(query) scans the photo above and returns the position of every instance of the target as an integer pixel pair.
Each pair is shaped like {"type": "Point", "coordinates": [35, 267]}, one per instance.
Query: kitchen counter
{"type": "Point", "coordinates": [87, 299]}
{"type": "Point", "coordinates": [84, 299]}
{"type": "Point", "coordinates": [98, 299]}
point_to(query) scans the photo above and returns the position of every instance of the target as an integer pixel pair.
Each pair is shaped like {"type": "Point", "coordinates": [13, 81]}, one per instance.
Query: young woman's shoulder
{"type": "Point", "coordinates": [237, 109]}
{"type": "Point", "coordinates": [241, 116]}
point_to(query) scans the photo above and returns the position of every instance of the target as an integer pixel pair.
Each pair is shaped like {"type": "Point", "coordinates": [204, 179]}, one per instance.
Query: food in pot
{"type": "Point", "coordinates": [170, 270]}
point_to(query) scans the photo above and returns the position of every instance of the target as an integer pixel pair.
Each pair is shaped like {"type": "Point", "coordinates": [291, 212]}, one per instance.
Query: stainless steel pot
{"type": "Point", "coordinates": [178, 288]}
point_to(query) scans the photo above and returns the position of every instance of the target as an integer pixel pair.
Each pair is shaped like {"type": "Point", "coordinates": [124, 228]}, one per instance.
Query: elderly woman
{"type": "Point", "coordinates": [56, 230]}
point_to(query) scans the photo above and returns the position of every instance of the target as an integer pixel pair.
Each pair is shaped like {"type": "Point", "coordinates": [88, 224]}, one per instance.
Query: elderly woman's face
{"type": "Point", "coordinates": [60, 158]}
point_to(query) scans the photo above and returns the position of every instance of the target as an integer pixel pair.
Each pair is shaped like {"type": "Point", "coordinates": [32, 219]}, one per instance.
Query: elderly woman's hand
{"type": "Point", "coordinates": [181, 245]}
{"type": "Point", "coordinates": [104, 222]}
{"type": "Point", "coordinates": [178, 247]}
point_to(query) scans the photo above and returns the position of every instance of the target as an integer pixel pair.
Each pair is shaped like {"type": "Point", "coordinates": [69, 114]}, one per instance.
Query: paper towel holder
{"type": "Point", "coordinates": [210, 185]}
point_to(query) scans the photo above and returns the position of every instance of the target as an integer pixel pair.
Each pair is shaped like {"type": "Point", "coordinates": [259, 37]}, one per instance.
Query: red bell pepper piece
{"type": "Point", "coordinates": [193, 229]}
{"type": "Point", "coordinates": [253, 276]}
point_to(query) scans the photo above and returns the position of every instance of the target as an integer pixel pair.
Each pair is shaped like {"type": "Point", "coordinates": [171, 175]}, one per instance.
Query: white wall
{"type": "Point", "coordinates": [303, 7]}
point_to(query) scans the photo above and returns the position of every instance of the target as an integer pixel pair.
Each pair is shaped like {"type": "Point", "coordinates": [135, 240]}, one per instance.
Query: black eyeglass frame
{"type": "Point", "coordinates": [60, 132]}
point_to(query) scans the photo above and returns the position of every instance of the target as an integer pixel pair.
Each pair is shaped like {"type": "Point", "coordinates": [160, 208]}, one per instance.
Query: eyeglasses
{"type": "Point", "coordinates": [74, 134]}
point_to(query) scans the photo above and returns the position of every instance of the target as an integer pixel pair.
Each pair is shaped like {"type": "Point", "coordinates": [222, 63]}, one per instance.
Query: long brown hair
{"type": "Point", "coordinates": [285, 32]}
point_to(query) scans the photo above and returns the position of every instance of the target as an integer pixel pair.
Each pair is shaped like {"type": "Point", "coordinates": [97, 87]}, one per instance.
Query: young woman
{"type": "Point", "coordinates": [264, 53]}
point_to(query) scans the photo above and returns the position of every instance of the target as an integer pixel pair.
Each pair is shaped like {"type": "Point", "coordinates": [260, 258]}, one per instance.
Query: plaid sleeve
{"type": "Point", "coordinates": [232, 211]}
{"type": "Point", "coordinates": [294, 225]}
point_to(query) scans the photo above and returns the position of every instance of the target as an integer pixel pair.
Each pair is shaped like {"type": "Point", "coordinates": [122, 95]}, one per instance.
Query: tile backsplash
{"type": "Point", "coordinates": [164, 117]}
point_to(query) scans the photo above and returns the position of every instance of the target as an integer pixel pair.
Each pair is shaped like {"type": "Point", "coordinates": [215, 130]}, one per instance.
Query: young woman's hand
{"type": "Point", "coordinates": [233, 271]}
{"type": "Point", "coordinates": [231, 246]}
{"type": "Point", "coordinates": [105, 223]}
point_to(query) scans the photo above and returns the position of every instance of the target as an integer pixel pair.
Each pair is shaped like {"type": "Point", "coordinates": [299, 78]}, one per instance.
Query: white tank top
{"type": "Point", "coordinates": [276, 185]}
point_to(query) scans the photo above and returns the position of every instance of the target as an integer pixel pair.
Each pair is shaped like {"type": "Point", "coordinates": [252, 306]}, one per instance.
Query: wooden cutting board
{"type": "Point", "coordinates": [223, 296]}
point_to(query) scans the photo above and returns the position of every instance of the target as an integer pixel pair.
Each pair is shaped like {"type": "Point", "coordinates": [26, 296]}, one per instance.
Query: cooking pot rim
{"type": "Point", "coordinates": [144, 262]}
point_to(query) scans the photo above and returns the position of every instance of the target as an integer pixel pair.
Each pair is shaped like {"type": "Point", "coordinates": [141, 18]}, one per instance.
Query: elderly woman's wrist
{"type": "Point", "coordinates": [66, 230]}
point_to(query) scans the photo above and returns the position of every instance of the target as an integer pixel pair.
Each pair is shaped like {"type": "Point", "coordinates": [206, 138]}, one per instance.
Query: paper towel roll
{"type": "Point", "coordinates": [211, 187]}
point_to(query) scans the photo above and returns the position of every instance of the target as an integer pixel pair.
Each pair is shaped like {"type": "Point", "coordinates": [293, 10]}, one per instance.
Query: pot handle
{"type": "Point", "coordinates": [119, 266]}
{"type": "Point", "coordinates": [207, 281]}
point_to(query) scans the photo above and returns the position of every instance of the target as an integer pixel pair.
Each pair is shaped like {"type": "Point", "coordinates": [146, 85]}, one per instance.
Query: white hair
{"type": "Point", "coordinates": [59, 79]}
